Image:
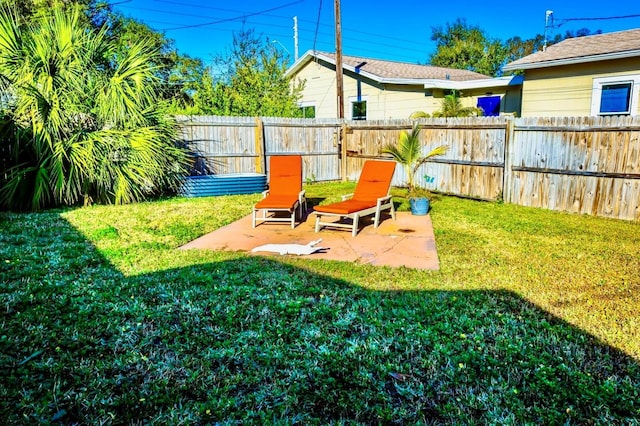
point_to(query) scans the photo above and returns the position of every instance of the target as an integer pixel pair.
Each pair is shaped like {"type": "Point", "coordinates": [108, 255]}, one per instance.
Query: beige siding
{"type": "Point", "coordinates": [509, 98]}
{"type": "Point", "coordinates": [388, 102]}
{"type": "Point", "coordinates": [512, 102]}
{"type": "Point", "coordinates": [319, 89]}
{"type": "Point", "coordinates": [567, 90]}
{"type": "Point", "coordinates": [384, 101]}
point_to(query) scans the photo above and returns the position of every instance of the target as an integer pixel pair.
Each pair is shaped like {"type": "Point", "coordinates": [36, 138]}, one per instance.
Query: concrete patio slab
{"type": "Point", "coordinates": [407, 241]}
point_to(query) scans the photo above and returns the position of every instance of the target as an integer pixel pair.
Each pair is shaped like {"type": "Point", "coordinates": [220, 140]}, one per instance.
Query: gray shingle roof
{"type": "Point", "coordinates": [403, 70]}
{"type": "Point", "coordinates": [583, 49]}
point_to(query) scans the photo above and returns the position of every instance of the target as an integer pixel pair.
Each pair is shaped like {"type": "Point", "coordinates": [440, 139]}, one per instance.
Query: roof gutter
{"type": "Point", "coordinates": [514, 80]}
{"type": "Point", "coordinates": [571, 61]}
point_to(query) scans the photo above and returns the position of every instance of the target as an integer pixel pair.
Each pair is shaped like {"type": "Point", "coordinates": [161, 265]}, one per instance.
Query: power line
{"type": "Point", "coordinates": [219, 29]}
{"type": "Point", "coordinates": [100, 6]}
{"type": "Point", "coordinates": [165, 12]}
{"type": "Point", "coordinates": [419, 47]}
{"type": "Point", "coordinates": [315, 37]}
{"type": "Point", "coordinates": [234, 18]}
{"type": "Point", "coordinates": [316, 23]}
{"type": "Point", "coordinates": [564, 21]}
{"type": "Point", "coordinates": [200, 6]}
{"type": "Point", "coordinates": [368, 43]}
{"type": "Point", "coordinates": [310, 40]}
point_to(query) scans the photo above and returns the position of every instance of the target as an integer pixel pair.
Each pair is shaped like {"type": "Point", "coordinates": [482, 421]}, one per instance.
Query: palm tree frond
{"type": "Point", "coordinates": [419, 114]}
{"type": "Point", "coordinates": [408, 152]}
{"type": "Point", "coordinates": [451, 106]}
{"type": "Point", "coordinates": [88, 114]}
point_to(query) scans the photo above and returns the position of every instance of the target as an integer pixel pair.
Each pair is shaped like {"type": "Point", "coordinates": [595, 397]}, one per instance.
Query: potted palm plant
{"type": "Point", "coordinates": [408, 152]}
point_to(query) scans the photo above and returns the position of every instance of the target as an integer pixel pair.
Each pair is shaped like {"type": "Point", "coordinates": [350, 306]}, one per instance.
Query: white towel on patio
{"type": "Point", "coordinates": [283, 249]}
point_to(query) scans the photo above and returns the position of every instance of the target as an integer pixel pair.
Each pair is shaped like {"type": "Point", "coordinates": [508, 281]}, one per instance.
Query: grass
{"type": "Point", "coordinates": [533, 318]}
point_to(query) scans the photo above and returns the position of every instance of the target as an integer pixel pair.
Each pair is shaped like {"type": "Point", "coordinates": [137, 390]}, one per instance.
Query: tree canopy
{"type": "Point", "coordinates": [463, 46]}
{"type": "Point", "coordinates": [248, 80]}
{"type": "Point", "coordinates": [176, 72]}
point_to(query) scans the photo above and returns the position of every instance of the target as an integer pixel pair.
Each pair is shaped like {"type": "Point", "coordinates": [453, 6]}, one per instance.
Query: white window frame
{"type": "Point", "coordinates": [352, 100]}
{"type": "Point", "coordinates": [596, 93]}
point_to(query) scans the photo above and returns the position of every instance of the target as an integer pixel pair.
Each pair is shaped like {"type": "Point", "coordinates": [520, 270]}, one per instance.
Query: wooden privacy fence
{"type": "Point", "coordinates": [584, 165]}
{"type": "Point", "coordinates": [473, 166]}
{"type": "Point", "coordinates": [244, 144]}
{"type": "Point", "coordinates": [581, 165]}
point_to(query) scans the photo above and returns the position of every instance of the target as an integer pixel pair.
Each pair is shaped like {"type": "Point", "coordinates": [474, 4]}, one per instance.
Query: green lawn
{"type": "Point", "coordinates": [534, 317]}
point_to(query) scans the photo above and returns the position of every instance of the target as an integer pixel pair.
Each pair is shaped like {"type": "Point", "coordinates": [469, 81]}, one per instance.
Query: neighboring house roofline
{"type": "Point", "coordinates": [309, 55]}
{"type": "Point", "coordinates": [571, 61]}
{"type": "Point", "coordinates": [580, 50]}
{"type": "Point", "coordinates": [428, 83]}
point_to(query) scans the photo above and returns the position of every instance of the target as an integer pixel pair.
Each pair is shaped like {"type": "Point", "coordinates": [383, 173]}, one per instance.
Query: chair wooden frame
{"type": "Point", "coordinates": [370, 197]}
{"type": "Point", "coordinates": [285, 193]}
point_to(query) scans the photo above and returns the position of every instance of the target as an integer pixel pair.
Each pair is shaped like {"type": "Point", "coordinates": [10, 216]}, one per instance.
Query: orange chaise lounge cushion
{"type": "Point", "coordinates": [346, 207]}
{"type": "Point", "coordinates": [374, 183]}
{"type": "Point", "coordinates": [277, 201]}
{"type": "Point", "coordinates": [285, 183]}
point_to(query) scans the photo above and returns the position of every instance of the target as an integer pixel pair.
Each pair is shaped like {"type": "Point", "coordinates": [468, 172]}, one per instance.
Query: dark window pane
{"type": "Point", "coordinates": [615, 98]}
{"type": "Point", "coordinates": [359, 110]}
{"type": "Point", "coordinates": [308, 111]}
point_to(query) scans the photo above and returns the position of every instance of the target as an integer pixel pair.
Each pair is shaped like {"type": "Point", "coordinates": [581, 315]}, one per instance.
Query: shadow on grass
{"type": "Point", "coordinates": [253, 340]}
{"type": "Point", "coordinates": [314, 201]}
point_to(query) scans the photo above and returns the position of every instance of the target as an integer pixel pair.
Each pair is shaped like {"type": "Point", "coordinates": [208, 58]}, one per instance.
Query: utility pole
{"type": "Point", "coordinates": [295, 38]}
{"type": "Point", "coordinates": [548, 14]}
{"type": "Point", "coordinates": [339, 88]}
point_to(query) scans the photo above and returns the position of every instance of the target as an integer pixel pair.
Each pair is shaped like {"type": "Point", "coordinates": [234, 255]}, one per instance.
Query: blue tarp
{"type": "Point", "coordinates": [490, 105]}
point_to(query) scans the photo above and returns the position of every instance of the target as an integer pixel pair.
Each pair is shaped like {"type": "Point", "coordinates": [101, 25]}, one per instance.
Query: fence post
{"type": "Point", "coordinates": [507, 173]}
{"type": "Point", "coordinates": [342, 144]}
{"type": "Point", "coordinates": [261, 158]}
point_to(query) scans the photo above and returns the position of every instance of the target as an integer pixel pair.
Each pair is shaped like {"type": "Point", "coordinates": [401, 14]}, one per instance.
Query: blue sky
{"type": "Point", "coordinates": [397, 30]}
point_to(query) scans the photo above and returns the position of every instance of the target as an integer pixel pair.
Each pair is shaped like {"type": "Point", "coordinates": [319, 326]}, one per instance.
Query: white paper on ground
{"type": "Point", "coordinates": [283, 249]}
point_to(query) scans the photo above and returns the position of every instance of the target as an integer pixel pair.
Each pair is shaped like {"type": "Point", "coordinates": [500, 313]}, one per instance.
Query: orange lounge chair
{"type": "Point", "coordinates": [371, 196]}
{"type": "Point", "coordinates": [285, 193]}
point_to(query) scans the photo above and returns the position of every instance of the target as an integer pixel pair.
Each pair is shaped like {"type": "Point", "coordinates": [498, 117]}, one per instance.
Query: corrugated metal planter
{"type": "Point", "coordinates": [224, 184]}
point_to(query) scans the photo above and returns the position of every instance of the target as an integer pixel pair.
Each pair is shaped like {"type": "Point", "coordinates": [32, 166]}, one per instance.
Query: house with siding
{"type": "Point", "coordinates": [596, 75]}
{"type": "Point", "coordinates": [377, 89]}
